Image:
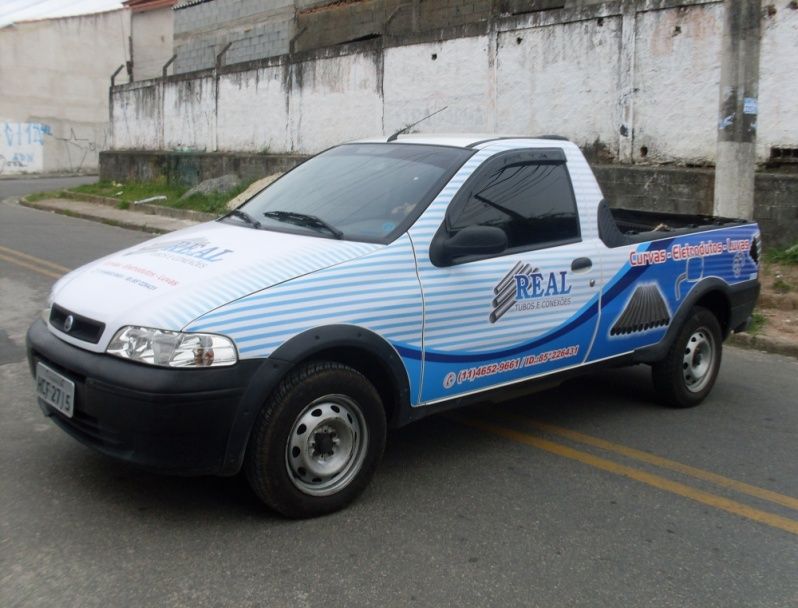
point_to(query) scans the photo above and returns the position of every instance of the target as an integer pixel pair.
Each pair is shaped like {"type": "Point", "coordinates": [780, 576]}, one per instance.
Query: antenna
{"type": "Point", "coordinates": [413, 124]}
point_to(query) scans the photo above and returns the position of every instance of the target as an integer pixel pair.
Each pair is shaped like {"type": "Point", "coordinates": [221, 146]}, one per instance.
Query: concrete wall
{"type": "Point", "coordinates": [151, 33]}
{"type": "Point", "coordinates": [54, 77]}
{"type": "Point", "coordinates": [629, 82]}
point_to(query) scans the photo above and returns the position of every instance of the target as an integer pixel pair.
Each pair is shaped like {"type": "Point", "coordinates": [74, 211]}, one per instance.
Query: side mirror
{"type": "Point", "coordinates": [473, 240]}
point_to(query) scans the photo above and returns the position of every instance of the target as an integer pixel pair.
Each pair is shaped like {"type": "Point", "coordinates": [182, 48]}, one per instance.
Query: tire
{"type": "Point", "coordinates": [688, 372]}
{"type": "Point", "coordinates": [316, 443]}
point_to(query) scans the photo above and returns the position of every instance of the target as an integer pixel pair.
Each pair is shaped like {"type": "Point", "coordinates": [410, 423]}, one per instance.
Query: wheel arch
{"type": "Point", "coordinates": [718, 303]}
{"type": "Point", "coordinates": [713, 294]}
{"type": "Point", "coordinates": [357, 347]}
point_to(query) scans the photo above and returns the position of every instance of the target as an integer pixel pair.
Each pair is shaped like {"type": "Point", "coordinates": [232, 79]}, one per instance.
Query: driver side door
{"type": "Point", "coordinates": [494, 318]}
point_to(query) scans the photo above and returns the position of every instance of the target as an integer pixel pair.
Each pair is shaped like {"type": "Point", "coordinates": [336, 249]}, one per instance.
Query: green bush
{"type": "Point", "coordinates": [788, 255]}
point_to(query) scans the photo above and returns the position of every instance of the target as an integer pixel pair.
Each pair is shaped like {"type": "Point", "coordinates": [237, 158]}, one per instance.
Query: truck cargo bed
{"type": "Point", "coordinates": [634, 226]}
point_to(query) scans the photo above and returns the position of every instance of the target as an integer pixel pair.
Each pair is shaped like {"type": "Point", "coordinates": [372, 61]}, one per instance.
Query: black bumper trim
{"type": "Point", "coordinates": [171, 420]}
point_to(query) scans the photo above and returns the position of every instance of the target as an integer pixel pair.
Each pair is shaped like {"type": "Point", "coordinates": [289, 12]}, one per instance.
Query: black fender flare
{"type": "Point", "coordinates": [302, 347]}
{"type": "Point", "coordinates": [656, 352]}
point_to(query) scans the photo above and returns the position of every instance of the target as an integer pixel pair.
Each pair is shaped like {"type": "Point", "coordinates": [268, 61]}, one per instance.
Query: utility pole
{"type": "Point", "coordinates": [735, 162]}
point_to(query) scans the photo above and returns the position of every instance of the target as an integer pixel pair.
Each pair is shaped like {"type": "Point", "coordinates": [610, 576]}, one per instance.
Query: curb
{"type": "Point", "coordinates": [775, 346]}
{"type": "Point", "coordinates": [101, 220]}
{"type": "Point", "coordinates": [180, 214]}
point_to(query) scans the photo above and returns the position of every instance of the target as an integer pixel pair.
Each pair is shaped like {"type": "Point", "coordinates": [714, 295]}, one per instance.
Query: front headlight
{"type": "Point", "coordinates": [172, 348]}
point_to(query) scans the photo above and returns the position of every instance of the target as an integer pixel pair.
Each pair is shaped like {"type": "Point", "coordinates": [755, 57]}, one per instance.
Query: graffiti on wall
{"type": "Point", "coordinates": [22, 146]}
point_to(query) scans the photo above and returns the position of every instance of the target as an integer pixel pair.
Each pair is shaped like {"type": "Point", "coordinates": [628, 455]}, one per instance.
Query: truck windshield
{"type": "Point", "coordinates": [358, 192]}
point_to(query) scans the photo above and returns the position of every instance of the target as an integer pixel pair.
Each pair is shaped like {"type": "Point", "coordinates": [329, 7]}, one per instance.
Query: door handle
{"type": "Point", "coordinates": [581, 264]}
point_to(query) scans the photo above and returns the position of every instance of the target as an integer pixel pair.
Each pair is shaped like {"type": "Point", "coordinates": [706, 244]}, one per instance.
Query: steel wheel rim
{"type": "Point", "coordinates": [327, 445]}
{"type": "Point", "coordinates": [699, 360]}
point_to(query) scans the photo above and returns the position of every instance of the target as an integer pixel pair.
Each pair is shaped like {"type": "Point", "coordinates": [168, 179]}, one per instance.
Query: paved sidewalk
{"type": "Point", "coordinates": [157, 224]}
{"type": "Point", "coordinates": [124, 218]}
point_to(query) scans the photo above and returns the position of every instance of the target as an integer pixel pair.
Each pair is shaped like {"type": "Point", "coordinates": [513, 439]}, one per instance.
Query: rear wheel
{"type": "Point", "coordinates": [688, 372]}
{"type": "Point", "coordinates": [317, 442]}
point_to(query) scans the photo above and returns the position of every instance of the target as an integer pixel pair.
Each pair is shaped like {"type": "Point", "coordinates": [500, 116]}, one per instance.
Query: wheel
{"type": "Point", "coordinates": [689, 370]}
{"type": "Point", "coordinates": [317, 442]}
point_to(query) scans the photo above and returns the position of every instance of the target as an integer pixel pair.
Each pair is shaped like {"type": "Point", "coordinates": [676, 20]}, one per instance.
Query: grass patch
{"type": "Point", "coordinates": [786, 255]}
{"type": "Point", "coordinates": [133, 191]}
{"type": "Point", "coordinates": [40, 196]}
{"type": "Point", "coordinates": [209, 203]}
{"type": "Point", "coordinates": [758, 321]}
{"type": "Point", "coordinates": [129, 192]}
{"type": "Point", "coordinates": [781, 286]}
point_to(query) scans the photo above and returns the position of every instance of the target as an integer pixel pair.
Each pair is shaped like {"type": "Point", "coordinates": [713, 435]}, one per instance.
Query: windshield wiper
{"type": "Point", "coordinates": [304, 219]}
{"type": "Point", "coordinates": [244, 216]}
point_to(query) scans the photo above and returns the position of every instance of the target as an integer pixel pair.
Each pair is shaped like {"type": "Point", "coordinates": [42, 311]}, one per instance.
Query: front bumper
{"type": "Point", "coordinates": [179, 421]}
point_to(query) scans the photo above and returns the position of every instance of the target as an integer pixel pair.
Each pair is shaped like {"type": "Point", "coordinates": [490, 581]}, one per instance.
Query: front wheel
{"type": "Point", "coordinates": [317, 441]}
{"type": "Point", "coordinates": [688, 372]}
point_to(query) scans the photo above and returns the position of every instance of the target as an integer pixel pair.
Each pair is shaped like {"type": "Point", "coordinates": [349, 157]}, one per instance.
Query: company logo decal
{"type": "Point", "coordinates": [680, 251]}
{"type": "Point", "coordinates": [645, 310]}
{"type": "Point", "coordinates": [526, 288]}
{"type": "Point", "coordinates": [196, 252]}
{"type": "Point", "coordinates": [473, 374]}
{"type": "Point", "coordinates": [68, 323]}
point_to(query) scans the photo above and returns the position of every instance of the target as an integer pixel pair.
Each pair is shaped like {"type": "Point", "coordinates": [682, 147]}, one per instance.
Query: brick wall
{"type": "Point", "coordinates": [265, 28]}
{"type": "Point", "coordinates": [255, 28]}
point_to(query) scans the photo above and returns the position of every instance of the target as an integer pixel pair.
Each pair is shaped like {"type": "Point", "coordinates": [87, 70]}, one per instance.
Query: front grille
{"type": "Point", "coordinates": [82, 327]}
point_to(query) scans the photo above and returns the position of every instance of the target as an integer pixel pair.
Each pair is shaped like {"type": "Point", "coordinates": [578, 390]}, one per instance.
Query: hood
{"type": "Point", "coordinates": [173, 279]}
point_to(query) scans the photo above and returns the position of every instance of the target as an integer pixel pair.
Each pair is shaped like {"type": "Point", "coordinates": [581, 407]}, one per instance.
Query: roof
{"type": "Point", "coordinates": [15, 11]}
{"type": "Point", "coordinates": [140, 6]}
{"type": "Point", "coordinates": [188, 3]}
{"type": "Point", "coordinates": [464, 140]}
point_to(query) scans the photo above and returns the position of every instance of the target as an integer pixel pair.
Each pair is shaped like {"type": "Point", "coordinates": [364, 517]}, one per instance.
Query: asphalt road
{"type": "Point", "coordinates": [586, 495]}
{"type": "Point", "coordinates": [27, 185]}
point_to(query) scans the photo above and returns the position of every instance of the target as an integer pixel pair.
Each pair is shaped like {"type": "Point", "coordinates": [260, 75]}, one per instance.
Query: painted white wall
{"type": "Point", "coordinates": [333, 100]}
{"type": "Point", "coordinates": [54, 78]}
{"type": "Point", "coordinates": [561, 80]}
{"type": "Point", "coordinates": [539, 76]}
{"type": "Point", "coordinates": [778, 82]}
{"type": "Point", "coordinates": [459, 77]}
{"type": "Point", "coordinates": [137, 122]}
{"type": "Point", "coordinates": [253, 111]}
{"type": "Point", "coordinates": [189, 114]}
{"type": "Point", "coordinates": [677, 74]}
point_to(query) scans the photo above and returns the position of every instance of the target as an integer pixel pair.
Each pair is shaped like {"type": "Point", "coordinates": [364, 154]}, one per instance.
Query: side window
{"type": "Point", "coordinates": [530, 199]}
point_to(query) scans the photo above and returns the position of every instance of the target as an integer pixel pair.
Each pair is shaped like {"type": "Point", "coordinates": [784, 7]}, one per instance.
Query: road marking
{"type": "Point", "coordinates": [32, 267]}
{"type": "Point", "coordinates": [33, 259]}
{"type": "Point", "coordinates": [656, 481]}
{"type": "Point", "coordinates": [659, 461]}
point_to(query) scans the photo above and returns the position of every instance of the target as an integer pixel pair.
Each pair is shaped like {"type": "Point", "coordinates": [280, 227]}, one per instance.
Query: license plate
{"type": "Point", "coordinates": [55, 390]}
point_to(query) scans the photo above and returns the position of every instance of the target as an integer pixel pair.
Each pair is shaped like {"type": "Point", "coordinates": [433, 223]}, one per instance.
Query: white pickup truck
{"type": "Point", "coordinates": [374, 284]}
